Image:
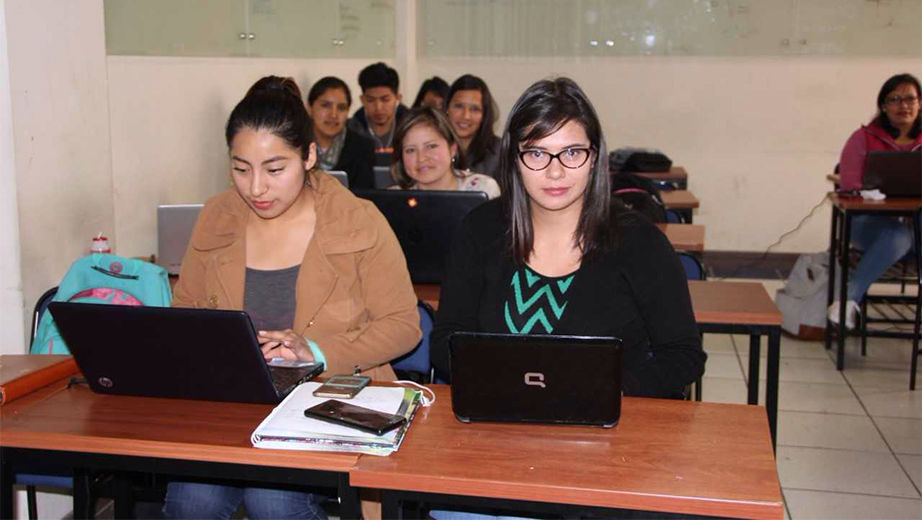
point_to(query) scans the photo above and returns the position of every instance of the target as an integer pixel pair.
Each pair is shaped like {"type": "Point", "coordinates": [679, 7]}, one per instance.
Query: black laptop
{"type": "Point", "coordinates": [895, 174]}
{"type": "Point", "coordinates": [424, 222]}
{"type": "Point", "coordinates": [209, 355]}
{"type": "Point", "coordinates": [536, 378]}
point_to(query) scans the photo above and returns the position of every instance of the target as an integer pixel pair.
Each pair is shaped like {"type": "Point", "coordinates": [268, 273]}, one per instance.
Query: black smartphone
{"type": "Point", "coordinates": [345, 414]}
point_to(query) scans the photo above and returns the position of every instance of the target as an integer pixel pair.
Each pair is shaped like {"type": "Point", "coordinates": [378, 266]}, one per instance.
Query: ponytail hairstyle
{"type": "Point", "coordinates": [274, 104]}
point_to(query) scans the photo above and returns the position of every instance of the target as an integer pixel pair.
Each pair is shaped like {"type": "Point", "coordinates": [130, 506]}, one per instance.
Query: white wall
{"type": "Point", "coordinates": [11, 311]}
{"type": "Point", "coordinates": [756, 134]}
{"type": "Point", "coordinates": [58, 84]}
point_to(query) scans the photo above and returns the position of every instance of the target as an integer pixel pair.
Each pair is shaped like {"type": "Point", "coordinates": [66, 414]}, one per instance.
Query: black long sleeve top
{"type": "Point", "coordinates": [636, 292]}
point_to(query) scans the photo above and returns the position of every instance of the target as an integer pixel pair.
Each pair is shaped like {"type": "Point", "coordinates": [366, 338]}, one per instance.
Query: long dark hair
{"type": "Point", "coordinates": [544, 108]}
{"type": "Point", "coordinates": [484, 139]}
{"type": "Point", "coordinates": [433, 118]}
{"type": "Point", "coordinates": [889, 86]}
{"type": "Point", "coordinates": [274, 104]}
{"type": "Point", "coordinates": [436, 85]}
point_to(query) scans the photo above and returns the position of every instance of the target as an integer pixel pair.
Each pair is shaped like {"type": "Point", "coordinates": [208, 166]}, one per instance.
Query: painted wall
{"type": "Point", "coordinates": [757, 135]}
{"type": "Point", "coordinates": [11, 311]}
{"type": "Point", "coordinates": [60, 99]}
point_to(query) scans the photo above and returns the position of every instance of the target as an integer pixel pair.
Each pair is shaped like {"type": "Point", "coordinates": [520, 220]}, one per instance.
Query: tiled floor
{"type": "Point", "coordinates": [850, 442]}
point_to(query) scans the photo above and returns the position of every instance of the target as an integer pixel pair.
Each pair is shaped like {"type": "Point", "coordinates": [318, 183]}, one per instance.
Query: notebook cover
{"type": "Point", "coordinates": [22, 374]}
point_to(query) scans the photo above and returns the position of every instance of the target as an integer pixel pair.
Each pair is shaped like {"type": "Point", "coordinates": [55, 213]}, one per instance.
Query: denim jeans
{"type": "Point", "coordinates": [884, 240]}
{"type": "Point", "coordinates": [200, 500]}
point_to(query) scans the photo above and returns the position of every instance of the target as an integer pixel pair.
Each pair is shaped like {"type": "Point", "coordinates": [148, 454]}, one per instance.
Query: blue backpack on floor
{"type": "Point", "coordinates": [107, 279]}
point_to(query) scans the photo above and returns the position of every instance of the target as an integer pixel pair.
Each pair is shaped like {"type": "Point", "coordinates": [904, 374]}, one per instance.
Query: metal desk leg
{"type": "Point", "coordinates": [350, 505]}
{"type": "Point", "coordinates": [83, 501]}
{"type": "Point", "coordinates": [771, 381]}
{"type": "Point", "coordinates": [843, 291]}
{"type": "Point", "coordinates": [124, 495]}
{"type": "Point", "coordinates": [831, 288]}
{"type": "Point", "coordinates": [917, 235]}
{"type": "Point", "coordinates": [754, 347]}
{"type": "Point", "coordinates": [390, 505]}
{"type": "Point", "coordinates": [6, 488]}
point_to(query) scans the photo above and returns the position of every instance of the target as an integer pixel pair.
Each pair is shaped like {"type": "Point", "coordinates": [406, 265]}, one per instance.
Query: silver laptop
{"type": "Point", "coordinates": [535, 378]}
{"type": "Point", "coordinates": [341, 176]}
{"type": "Point", "coordinates": [174, 230]}
{"type": "Point", "coordinates": [383, 178]}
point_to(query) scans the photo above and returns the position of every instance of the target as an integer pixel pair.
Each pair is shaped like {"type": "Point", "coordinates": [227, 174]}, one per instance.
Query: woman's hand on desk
{"type": "Point", "coordinates": [286, 344]}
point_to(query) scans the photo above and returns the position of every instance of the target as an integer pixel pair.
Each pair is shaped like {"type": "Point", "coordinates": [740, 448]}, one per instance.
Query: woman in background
{"type": "Point", "coordinates": [884, 240]}
{"type": "Point", "coordinates": [426, 156]}
{"type": "Point", "coordinates": [432, 93]}
{"type": "Point", "coordinates": [472, 113]}
{"type": "Point", "coordinates": [302, 256]}
{"type": "Point", "coordinates": [328, 104]}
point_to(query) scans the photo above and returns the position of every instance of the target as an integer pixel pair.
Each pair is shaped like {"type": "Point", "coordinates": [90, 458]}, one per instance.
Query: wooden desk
{"type": "Point", "coordinates": [681, 201]}
{"type": "Point", "coordinates": [677, 176]}
{"type": "Point", "coordinates": [844, 208]}
{"type": "Point", "coordinates": [664, 456]}
{"type": "Point", "coordinates": [722, 308]}
{"type": "Point", "coordinates": [685, 237]}
{"type": "Point", "coordinates": [77, 429]}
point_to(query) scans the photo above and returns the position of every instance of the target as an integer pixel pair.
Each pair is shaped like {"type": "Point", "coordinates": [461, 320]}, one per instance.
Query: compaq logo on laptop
{"type": "Point", "coordinates": [535, 379]}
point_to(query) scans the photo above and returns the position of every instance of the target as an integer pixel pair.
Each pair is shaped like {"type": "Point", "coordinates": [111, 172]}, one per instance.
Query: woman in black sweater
{"type": "Point", "coordinates": [555, 255]}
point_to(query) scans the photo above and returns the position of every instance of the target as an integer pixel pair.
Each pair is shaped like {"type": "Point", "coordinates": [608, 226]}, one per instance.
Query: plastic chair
{"type": "Point", "coordinates": [416, 364]}
{"type": "Point", "coordinates": [694, 270]}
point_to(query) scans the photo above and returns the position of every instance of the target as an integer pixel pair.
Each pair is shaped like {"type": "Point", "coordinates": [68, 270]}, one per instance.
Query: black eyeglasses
{"type": "Point", "coordinates": [571, 158]}
{"type": "Point", "coordinates": [896, 101]}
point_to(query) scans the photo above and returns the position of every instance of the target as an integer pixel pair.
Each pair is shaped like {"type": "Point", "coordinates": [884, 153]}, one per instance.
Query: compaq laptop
{"type": "Point", "coordinates": [535, 378]}
{"type": "Point", "coordinates": [210, 355]}
{"type": "Point", "coordinates": [895, 174]}
{"type": "Point", "coordinates": [174, 230]}
{"type": "Point", "coordinates": [424, 222]}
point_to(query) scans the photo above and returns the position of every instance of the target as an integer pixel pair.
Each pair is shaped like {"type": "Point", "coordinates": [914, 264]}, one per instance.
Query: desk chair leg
{"type": "Point", "coordinates": [390, 505]}
{"type": "Point", "coordinates": [843, 293]}
{"type": "Point", "coordinates": [773, 366]}
{"type": "Point", "coordinates": [917, 234]}
{"type": "Point", "coordinates": [124, 495]}
{"type": "Point", "coordinates": [32, 501]}
{"type": "Point", "coordinates": [698, 390]}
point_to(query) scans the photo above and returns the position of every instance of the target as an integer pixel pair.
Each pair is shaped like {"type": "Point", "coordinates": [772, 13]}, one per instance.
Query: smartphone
{"type": "Point", "coordinates": [358, 417]}
{"type": "Point", "coordinates": [342, 387]}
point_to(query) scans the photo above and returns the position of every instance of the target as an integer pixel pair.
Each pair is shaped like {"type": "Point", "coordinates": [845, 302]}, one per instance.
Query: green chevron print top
{"type": "Point", "coordinates": [535, 303]}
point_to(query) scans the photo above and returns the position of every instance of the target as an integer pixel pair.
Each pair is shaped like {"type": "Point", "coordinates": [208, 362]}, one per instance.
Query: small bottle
{"type": "Point", "coordinates": [100, 244]}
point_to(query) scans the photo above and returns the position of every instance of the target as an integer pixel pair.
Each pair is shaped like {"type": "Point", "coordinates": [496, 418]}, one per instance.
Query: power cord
{"type": "Point", "coordinates": [777, 242]}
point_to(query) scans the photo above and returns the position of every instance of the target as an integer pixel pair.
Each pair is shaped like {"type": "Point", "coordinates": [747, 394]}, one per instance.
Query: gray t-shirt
{"type": "Point", "coordinates": [269, 297]}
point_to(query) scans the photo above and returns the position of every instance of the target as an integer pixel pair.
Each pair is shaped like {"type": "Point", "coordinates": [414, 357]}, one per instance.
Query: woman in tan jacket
{"type": "Point", "coordinates": [319, 271]}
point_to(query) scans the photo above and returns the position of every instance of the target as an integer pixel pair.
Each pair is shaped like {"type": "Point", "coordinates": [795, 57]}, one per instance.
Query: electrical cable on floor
{"type": "Point", "coordinates": [776, 243]}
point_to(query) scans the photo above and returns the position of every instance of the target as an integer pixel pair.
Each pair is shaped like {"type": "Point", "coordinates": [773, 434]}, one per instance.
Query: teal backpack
{"type": "Point", "coordinates": [108, 279]}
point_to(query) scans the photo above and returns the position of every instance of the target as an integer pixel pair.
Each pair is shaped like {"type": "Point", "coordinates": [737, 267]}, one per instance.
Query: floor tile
{"type": "Point", "coordinates": [823, 430]}
{"type": "Point", "coordinates": [718, 343]}
{"type": "Point", "coordinates": [843, 471]}
{"type": "Point", "coordinates": [795, 348]}
{"type": "Point", "coordinates": [903, 435]}
{"type": "Point", "coordinates": [894, 378]}
{"type": "Point", "coordinates": [913, 466]}
{"type": "Point", "coordinates": [723, 365]}
{"type": "Point", "coordinates": [804, 370]}
{"type": "Point", "coordinates": [825, 505]}
{"type": "Point", "coordinates": [886, 402]}
{"type": "Point", "coordinates": [723, 390]}
{"type": "Point", "coordinates": [814, 397]}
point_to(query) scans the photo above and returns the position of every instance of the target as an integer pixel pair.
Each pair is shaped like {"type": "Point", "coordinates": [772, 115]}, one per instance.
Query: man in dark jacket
{"type": "Point", "coordinates": [381, 110]}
